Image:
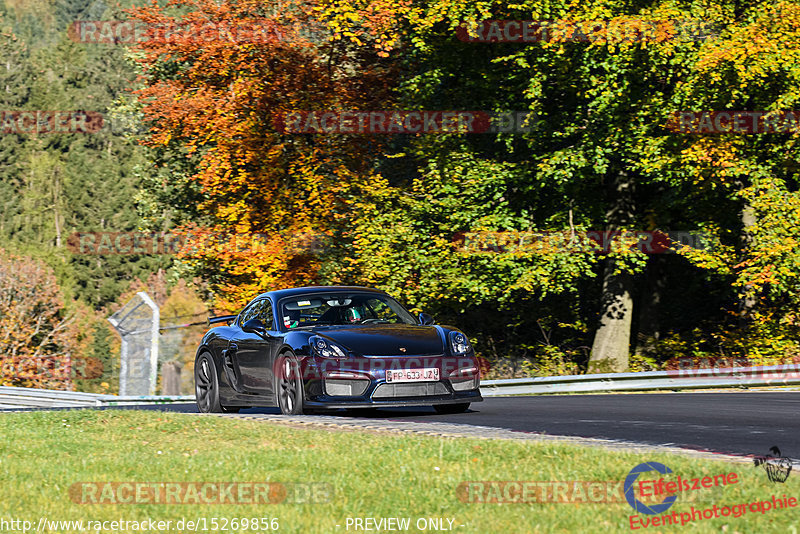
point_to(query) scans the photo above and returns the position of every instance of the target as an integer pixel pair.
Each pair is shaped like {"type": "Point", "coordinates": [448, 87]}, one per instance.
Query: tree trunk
{"type": "Point", "coordinates": [612, 339]}
{"type": "Point", "coordinates": [648, 331]}
{"type": "Point", "coordinates": [611, 346]}
{"type": "Point", "coordinates": [747, 300]}
{"type": "Point", "coordinates": [56, 201]}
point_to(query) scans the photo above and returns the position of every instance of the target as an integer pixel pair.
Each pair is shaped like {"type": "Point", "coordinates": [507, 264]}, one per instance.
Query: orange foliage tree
{"type": "Point", "coordinates": [39, 341]}
{"type": "Point", "coordinates": [211, 101]}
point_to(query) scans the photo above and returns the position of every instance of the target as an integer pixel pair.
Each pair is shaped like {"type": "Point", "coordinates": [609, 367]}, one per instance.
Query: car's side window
{"type": "Point", "coordinates": [382, 311]}
{"type": "Point", "coordinates": [250, 312]}
{"type": "Point", "coordinates": [260, 309]}
{"type": "Point", "coordinates": [265, 314]}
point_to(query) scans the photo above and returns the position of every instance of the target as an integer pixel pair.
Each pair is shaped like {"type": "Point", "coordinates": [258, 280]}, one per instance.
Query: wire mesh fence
{"type": "Point", "coordinates": [151, 348]}
{"type": "Point", "coordinates": [137, 324]}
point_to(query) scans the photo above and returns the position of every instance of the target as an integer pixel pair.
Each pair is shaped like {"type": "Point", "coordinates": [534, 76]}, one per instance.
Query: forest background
{"type": "Point", "coordinates": [194, 144]}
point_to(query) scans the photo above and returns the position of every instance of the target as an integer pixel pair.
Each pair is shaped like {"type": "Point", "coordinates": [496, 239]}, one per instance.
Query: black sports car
{"type": "Point", "coordinates": [317, 348]}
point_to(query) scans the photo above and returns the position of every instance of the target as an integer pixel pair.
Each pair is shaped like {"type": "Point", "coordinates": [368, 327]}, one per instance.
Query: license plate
{"type": "Point", "coordinates": [413, 375]}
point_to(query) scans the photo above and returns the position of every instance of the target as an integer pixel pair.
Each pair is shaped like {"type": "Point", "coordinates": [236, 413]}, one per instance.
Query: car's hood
{"type": "Point", "coordinates": [386, 339]}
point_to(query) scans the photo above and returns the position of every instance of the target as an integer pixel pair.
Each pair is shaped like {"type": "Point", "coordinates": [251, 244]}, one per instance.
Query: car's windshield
{"type": "Point", "coordinates": [342, 309]}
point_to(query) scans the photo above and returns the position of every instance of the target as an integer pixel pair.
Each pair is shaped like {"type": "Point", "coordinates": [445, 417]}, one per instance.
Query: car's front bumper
{"type": "Point", "coordinates": [341, 402]}
{"type": "Point", "coordinates": [362, 383]}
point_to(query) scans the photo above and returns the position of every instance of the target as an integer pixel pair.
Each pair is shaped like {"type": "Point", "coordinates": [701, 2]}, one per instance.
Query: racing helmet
{"type": "Point", "coordinates": [352, 315]}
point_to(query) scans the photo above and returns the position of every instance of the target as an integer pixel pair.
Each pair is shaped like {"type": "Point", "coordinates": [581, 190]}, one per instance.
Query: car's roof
{"type": "Point", "coordinates": [281, 293]}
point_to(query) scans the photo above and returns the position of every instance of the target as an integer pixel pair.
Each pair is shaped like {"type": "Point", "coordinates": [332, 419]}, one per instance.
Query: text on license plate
{"type": "Point", "coordinates": [413, 375]}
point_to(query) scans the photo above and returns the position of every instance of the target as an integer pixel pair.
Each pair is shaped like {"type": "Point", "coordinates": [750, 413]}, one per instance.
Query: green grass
{"type": "Point", "coordinates": [370, 474]}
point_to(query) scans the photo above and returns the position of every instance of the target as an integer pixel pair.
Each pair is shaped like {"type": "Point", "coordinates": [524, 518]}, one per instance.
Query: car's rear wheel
{"type": "Point", "coordinates": [206, 386]}
{"type": "Point", "coordinates": [291, 397]}
{"type": "Point", "coordinates": [452, 408]}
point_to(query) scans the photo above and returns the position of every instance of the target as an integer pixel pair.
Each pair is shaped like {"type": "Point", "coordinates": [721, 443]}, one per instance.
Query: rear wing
{"type": "Point", "coordinates": [221, 319]}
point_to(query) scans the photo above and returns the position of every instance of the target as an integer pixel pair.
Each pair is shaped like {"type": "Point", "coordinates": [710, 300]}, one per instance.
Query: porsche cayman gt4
{"type": "Point", "coordinates": [316, 348]}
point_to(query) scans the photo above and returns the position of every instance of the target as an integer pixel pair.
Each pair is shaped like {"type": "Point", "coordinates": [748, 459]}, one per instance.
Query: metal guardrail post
{"type": "Point", "coordinates": [153, 341]}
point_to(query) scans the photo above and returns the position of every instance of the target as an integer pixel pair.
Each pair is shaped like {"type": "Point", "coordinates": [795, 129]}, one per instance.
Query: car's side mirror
{"type": "Point", "coordinates": [425, 319]}
{"type": "Point", "coordinates": [255, 326]}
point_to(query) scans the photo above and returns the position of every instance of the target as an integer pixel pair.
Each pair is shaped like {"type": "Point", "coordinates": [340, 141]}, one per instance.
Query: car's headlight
{"type": "Point", "coordinates": [459, 344]}
{"type": "Point", "coordinates": [326, 349]}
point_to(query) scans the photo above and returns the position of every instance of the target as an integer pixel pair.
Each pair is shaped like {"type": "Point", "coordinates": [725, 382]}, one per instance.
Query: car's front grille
{"type": "Point", "coordinates": [423, 389]}
{"type": "Point", "coordinates": [345, 388]}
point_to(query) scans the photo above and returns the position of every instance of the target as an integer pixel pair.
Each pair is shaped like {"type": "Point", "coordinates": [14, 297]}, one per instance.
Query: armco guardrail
{"type": "Point", "coordinates": [112, 400]}
{"type": "Point", "coordinates": [728, 377]}
{"type": "Point", "coordinates": [12, 397]}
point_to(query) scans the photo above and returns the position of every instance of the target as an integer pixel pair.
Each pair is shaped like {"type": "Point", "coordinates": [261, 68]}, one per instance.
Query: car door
{"type": "Point", "coordinates": [252, 351]}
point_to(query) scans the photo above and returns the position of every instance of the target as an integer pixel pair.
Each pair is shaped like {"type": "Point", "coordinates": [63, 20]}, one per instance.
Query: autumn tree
{"type": "Point", "coordinates": [212, 106]}
{"type": "Point", "coordinates": [601, 156]}
{"type": "Point", "coordinates": [38, 339]}
{"type": "Point", "coordinates": [751, 68]}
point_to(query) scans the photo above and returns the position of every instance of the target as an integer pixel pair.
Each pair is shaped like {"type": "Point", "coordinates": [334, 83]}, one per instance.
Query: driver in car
{"type": "Point", "coordinates": [352, 316]}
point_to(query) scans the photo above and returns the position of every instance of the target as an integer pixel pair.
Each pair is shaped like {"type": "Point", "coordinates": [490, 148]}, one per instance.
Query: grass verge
{"type": "Point", "coordinates": [358, 474]}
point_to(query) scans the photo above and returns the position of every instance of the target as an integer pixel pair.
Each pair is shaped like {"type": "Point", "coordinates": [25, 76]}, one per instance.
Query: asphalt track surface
{"type": "Point", "coordinates": [729, 423]}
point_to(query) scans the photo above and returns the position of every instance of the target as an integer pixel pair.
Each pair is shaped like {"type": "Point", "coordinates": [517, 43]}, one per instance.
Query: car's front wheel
{"type": "Point", "coordinates": [452, 408]}
{"type": "Point", "coordinates": [291, 397]}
